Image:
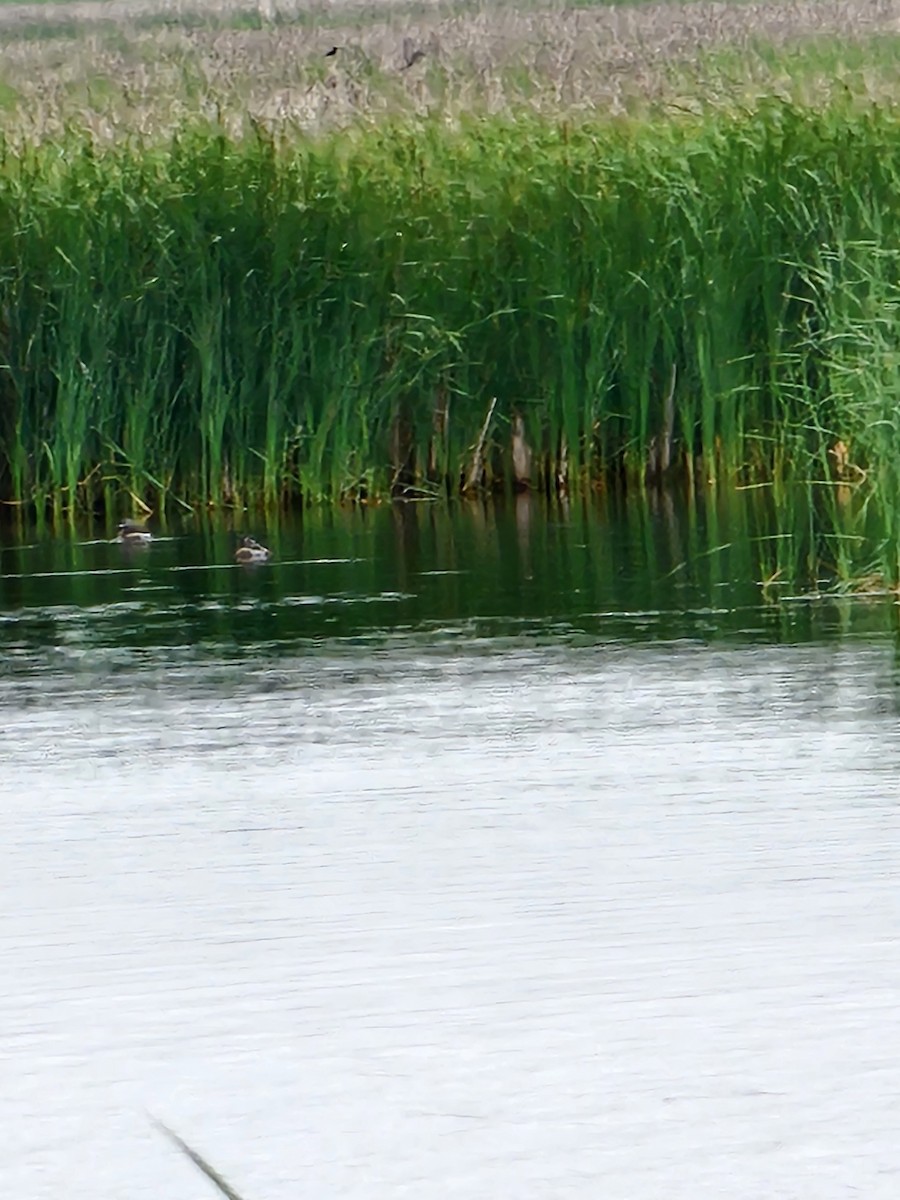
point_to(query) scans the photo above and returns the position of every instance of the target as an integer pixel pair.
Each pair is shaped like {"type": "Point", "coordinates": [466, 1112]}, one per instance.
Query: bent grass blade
{"type": "Point", "coordinates": [198, 1160]}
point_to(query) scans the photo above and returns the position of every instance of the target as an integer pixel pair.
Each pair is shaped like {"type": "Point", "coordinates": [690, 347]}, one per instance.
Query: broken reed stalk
{"type": "Point", "coordinates": [522, 454]}
{"type": "Point", "coordinates": [665, 452]}
{"type": "Point", "coordinates": [476, 470]}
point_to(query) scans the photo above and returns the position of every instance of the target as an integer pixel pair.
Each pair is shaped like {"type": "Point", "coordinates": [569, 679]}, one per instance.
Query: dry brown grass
{"type": "Point", "coordinates": [144, 66]}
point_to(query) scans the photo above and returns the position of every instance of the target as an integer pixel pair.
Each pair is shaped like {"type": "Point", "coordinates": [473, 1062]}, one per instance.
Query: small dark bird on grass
{"type": "Point", "coordinates": [332, 52]}
{"type": "Point", "coordinates": [410, 54]}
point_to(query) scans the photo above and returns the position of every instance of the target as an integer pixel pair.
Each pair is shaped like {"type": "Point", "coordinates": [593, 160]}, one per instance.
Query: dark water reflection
{"type": "Point", "coordinates": [646, 572]}
{"type": "Point", "coordinates": [451, 855]}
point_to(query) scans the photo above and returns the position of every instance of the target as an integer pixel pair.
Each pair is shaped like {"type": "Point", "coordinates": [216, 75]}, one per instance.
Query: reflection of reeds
{"type": "Point", "coordinates": [197, 1159]}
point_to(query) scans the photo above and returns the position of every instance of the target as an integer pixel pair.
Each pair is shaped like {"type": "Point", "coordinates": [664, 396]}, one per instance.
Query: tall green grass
{"type": "Point", "coordinates": [241, 321]}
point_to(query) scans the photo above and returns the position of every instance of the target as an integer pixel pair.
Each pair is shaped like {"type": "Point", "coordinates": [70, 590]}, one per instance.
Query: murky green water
{"type": "Point", "coordinates": [640, 573]}
{"type": "Point", "coordinates": [498, 851]}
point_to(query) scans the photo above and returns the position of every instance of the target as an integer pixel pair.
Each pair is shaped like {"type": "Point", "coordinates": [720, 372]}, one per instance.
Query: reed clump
{"type": "Point", "coordinates": [479, 247]}
{"type": "Point", "coordinates": [420, 308]}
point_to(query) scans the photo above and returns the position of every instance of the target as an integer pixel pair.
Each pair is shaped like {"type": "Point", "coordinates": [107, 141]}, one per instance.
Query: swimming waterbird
{"type": "Point", "coordinates": [250, 551]}
{"type": "Point", "coordinates": [134, 533]}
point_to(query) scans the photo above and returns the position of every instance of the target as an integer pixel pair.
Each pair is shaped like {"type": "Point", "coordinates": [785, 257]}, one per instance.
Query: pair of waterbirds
{"type": "Point", "coordinates": [411, 53]}
{"type": "Point", "coordinates": [135, 533]}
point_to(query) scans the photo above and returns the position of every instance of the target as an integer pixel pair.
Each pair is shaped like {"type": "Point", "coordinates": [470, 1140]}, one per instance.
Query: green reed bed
{"type": "Point", "coordinates": [419, 308]}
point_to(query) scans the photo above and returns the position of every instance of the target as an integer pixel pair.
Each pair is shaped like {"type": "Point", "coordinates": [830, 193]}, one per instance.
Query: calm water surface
{"type": "Point", "coordinates": [462, 855]}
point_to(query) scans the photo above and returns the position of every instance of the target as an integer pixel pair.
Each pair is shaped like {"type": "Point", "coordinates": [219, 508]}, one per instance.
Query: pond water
{"type": "Point", "coordinates": [453, 854]}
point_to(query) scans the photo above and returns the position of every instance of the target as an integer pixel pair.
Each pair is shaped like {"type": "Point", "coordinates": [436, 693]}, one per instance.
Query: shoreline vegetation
{"type": "Point", "coordinates": [450, 278]}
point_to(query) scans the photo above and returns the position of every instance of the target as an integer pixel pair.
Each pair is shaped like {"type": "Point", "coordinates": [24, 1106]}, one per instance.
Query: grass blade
{"type": "Point", "coordinates": [199, 1161]}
